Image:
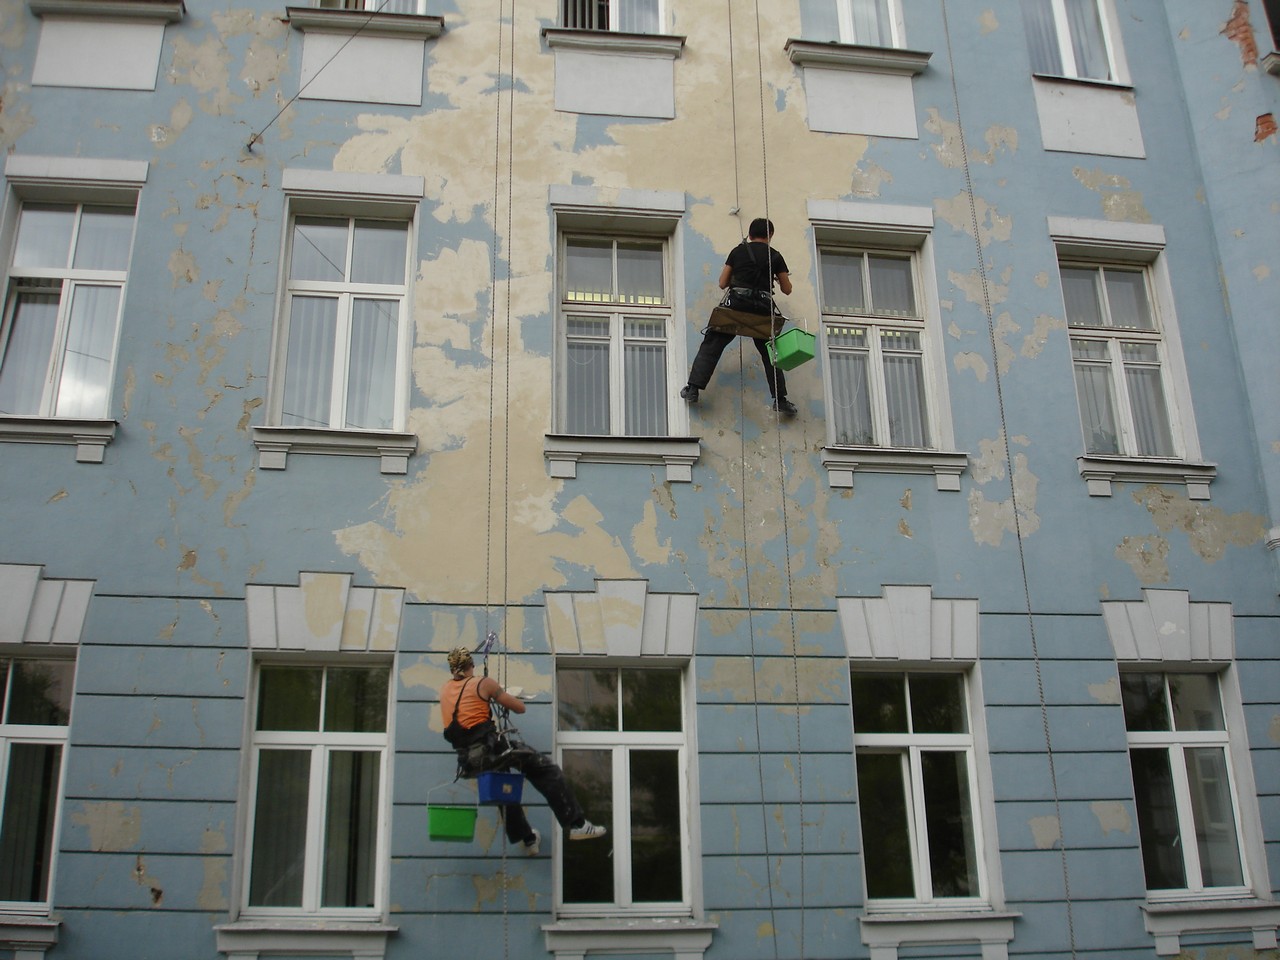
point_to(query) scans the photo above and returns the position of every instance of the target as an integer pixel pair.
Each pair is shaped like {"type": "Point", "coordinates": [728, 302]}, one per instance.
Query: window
{"type": "Point", "coordinates": [319, 789]}
{"type": "Point", "coordinates": [62, 314]}
{"type": "Point", "coordinates": [626, 16]}
{"type": "Point", "coordinates": [1117, 350]}
{"type": "Point", "coordinates": [344, 325]}
{"type": "Point", "coordinates": [1272, 8]}
{"type": "Point", "coordinates": [617, 325]}
{"type": "Point", "coordinates": [871, 23]}
{"type": "Point", "coordinates": [874, 335]}
{"type": "Point", "coordinates": [917, 796]}
{"type": "Point", "coordinates": [1070, 38]}
{"type": "Point", "coordinates": [35, 707]}
{"type": "Point", "coordinates": [622, 745]}
{"type": "Point", "coordinates": [1188, 823]}
{"type": "Point", "coordinates": [375, 6]}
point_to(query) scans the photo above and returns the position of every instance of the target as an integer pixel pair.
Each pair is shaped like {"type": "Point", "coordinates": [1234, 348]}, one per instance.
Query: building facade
{"type": "Point", "coordinates": [339, 335]}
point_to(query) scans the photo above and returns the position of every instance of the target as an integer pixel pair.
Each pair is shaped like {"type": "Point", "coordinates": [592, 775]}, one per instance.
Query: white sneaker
{"type": "Point", "coordinates": [533, 846]}
{"type": "Point", "coordinates": [586, 831]}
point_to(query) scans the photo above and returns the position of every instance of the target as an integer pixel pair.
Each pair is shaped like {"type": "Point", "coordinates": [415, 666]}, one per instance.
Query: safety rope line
{"type": "Point", "coordinates": [1013, 486]}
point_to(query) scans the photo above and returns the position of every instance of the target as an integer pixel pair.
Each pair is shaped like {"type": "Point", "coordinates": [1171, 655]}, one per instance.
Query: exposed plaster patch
{"type": "Point", "coordinates": [1210, 529]}
{"type": "Point", "coordinates": [954, 331]}
{"type": "Point", "coordinates": [1147, 556]}
{"type": "Point", "coordinates": [998, 138]}
{"type": "Point", "coordinates": [130, 387]}
{"type": "Point", "coordinates": [1045, 831]}
{"type": "Point", "coordinates": [949, 152]}
{"type": "Point", "coordinates": [905, 501]}
{"type": "Point", "coordinates": [1108, 692]}
{"type": "Point", "coordinates": [13, 25]}
{"type": "Point", "coordinates": [990, 520]}
{"type": "Point", "coordinates": [987, 22]}
{"type": "Point", "coordinates": [1273, 730]}
{"type": "Point", "coordinates": [491, 888]}
{"type": "Point", "coordinates": [60, 495]}
{"type": "Point", "coordinates": [1033, 343]}
{"type": "Point", "coordinates": [180, 117]}
{"type": "Point", "coordinates": [1239, 31]}
{"type": "Point", "coordinates": [1118, 201]}
{"type": "Point", "coordinates": [144, 879]}
{"type": "Point", "coordinates": [1042, 279]}
{"type": "Point", "coordinates": [205, 68]}
{"type": "Point", "coordinates": [903, 529]}
{"type": "Point", "coordinates": [112, 827]}
{"type": "Point", "coordinates": [975, 291]}
{"type": "Point", "coordinates": [991, 224]}
{"type": "Point", "coordinates": [15, 116]}
{"type": "Point", "coordinates": [821, 680]}
{"type": "Point", "coordinates": [645, 543]}
{"type": "Point", "coordinates": [268, 49]}
{"type": "Point", "coordinates": [1112, 816]}
{"type": "Point", "coordinates": [990, 463]}
{"type": "Point", "coordinates": [1005, 328]}
{"type": "Point", "coordinates": [868, 178]}
{"type": "Point", "coordinates": [1261, 272]}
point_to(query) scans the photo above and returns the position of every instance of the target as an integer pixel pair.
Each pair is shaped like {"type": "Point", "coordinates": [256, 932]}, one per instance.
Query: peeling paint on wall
{"type": "Point", "coordinates": [1239, 31]}
{"type": "Point", "coordinates": [1119, 201]}
{"type": "Point", "coordinates": [1046, 831]}
{"type": "Point", "coordinates": [988, 22]}
{"type": "Point", "coordinates": [112, 826]}
{"type": "Point", "coordinates": [1148, 557]}
{"type": "Point", "coordinates": [1108, 692]}
{"type": "Point", "coordinates": [1112, 816]}
{"type": "Point", "coordinates": [992, 225]}
{"type": "Point", "coordinates": [1209, 529]}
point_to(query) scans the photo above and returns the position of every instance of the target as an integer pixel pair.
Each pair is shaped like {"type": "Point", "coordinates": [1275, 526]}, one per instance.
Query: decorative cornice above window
{"type": "Point", "coordinates": [685, 939]}
{"type": "Point", "coordinates": [1167, 922]}
{"type": "Point", "coordinates": [276, 443]}
{"type": "Point", "coordinates": [90, 437]}
{"type": "Point", "coordinates": [41, 611]}
{"type": "Point", "coordinates": [1271, 63]}
{"type": "Point", "coordinates": [563, 453]}
{"type": "Point", "coordinates": [621, 618]}
{"type": "Point", "coordinates": [168, 11]}
{"type": "Point", "coordinates": [606, 41]}
{"type": "Point", "coordinates": [812, 53]}
{"type": "Point", "coordinates": [370, 24]}
{"type": "Point", "coordinates": [368, 941]}
{"type": "Point", "coordinates": [1165, 626]}
{"type": "Point", "coordinates": [885, 933]}
{"type": "Point", "coordinates": [909, 623]}
{"type": "Point", "coordinates": [324, 613]}
{"type": "Point", "coordinates": [843, 462]}
{"type": "Point", "coordinates": [1101, 472]}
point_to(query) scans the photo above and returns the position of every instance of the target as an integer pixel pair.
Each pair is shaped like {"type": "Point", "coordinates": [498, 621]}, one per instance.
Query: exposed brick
{"type": "Point", "coordinates": [1266, 127]}
{"type": "Point", "coordinates": [1240, 32]}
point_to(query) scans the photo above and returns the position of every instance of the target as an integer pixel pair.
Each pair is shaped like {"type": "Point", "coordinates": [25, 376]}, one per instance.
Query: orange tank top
{"type": "Point", "coordinates": [472, 710]}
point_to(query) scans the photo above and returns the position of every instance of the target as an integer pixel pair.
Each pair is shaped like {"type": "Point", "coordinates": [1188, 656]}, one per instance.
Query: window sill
{"type": "Point", "coordinates": [857, 56]}
{"type": "Point", "coordinates": [564, 452]}
{"type": "Point", "coordinates": [885, 933]}
{"type": "Point", "coordinates": [1100, 472]}
{"type": "Point", "coordinates": [276, 443]}
{"type": "Point", "coordinates": [246, 939]}
{"type": "Point", "coordinates": [29, 937]}
{"type": "Point", "coordinates": [1170, 920]}
{"type": "Point", "coordinates": [372, 24]}
{"type": "Point", "coordinates": [1271, 63]}
{"type": "Point", "coordinates": [842, 462]}
{"type": "Point", "coordinates": [687, 939]}
{"type": "Point", "coordinates": [168, 11]}
{"type": "Point", "coordinates": [607, 41]}
{"type": "Point", "coordinates": [1084, 82]}
{"type": "Point", "coordinates": [90, 437]}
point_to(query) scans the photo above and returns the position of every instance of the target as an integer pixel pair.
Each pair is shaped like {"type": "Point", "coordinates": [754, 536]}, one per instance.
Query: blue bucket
{"type": "Point", "coordinates": [499, 789]}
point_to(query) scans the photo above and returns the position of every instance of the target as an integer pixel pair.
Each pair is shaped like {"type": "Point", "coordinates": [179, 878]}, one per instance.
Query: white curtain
{"type": "Point", "coordinates": [1093, 393]}
{"type": "Point", "coordinates": [588, 270]}
{"type": "Point", "coordinates": [638, 16]}
{"type": "Point", "coordinates": [842, 283]}
{"type": "Point", "coordinates": [378, 252]}
{"type": "Point", "coordinates": [86, 364]}
{"type": "Point", "coordinates": [871, 25]}
{"type": "Point", "coordinates": [850, 389]}
{"type": "Point", "coordinates": [1086, 39]}
{"type": "Point", "coordinates": [904, 389]}
{"type": "Point", "coordinates": [891, 287]}
{"type": "Point", "coordinates": [587, 376]}
{"type": "Point", "coordinates": [1214, 816]}
{"type": "Point", "coordinates": [1042, 37]}
{"type": "Point", "coordinates": [1146, 399]}
{"type": "Point", "coordinates": [319, 249]}
{"type": "Point", "coordinates": [371, 373]}
{"type": "Point", "coordinates": [26, 355]}
{"type": "Point", "coordinates": [308, 375]}
{"type": "Point", "coordinates": [106, 234]}
{"type": "Point", "coordinates": [640, 273]}
{"type": "Point", "coordinates": [351, 829]}
{"type": "Point", "coordinates": [44, 236]}
{"type": "Point", "coordinates": [645, 378]}
{"type": "Point", "coordinates": [280, 828]}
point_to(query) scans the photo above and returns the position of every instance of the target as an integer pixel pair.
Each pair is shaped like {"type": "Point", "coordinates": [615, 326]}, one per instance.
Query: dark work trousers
{"type": "Point", "coordinates": [713, 344]}
{"type": "Point", "coordinates": [545, 776]}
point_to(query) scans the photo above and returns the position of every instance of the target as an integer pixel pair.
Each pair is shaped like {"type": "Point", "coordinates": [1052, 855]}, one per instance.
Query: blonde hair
{"type": "Point", "coordinates": [459, 660]}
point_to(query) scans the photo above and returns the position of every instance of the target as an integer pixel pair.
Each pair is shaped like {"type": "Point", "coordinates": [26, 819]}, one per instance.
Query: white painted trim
{"type": "Point", "coordinates": [598, 203]}
{"type": "Point", "coordinates": [852, 56]}
{"type": "Point", "coordinates": [276, 443]}
{"type": "Point", "coordinates": [246, 940]}
{"type": "Point", "coordinates": [842, 463]}
{"type": "Point", "coordinates": [886, 933]}
{"type": "Point", "coordinates": [664, 46]}
{"type": "Point", "coordinates": [1097, 235]}
{"type": "Point", "coordinates": [29, 937]}
{"type": "Point", "coordinates": [342, 185]}
{"type": "Point", "coordinates": [369, 24]}
{"type": "Point", "coordinates": [843, 215]}
{"type": "Point", "coordinates": [90, 437]}
{"type": "Point", "coordinates": [563, 453]}
{"type": "Point", "coordinates": [19, 168]}
{"type": "Point", "coordinates": [166, 11]}
{"type": "Point", "coordinates": [574, 939]}
{"type": "Point", "coordinates": [1167, 922]}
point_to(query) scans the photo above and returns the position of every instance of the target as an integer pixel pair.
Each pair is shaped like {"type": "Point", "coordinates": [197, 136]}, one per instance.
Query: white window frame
{"type": "Point", "coordinates": [897, 29]}
{"type": "Point", "coordinates": [321, 745]}
{"type": "Point", "coordinates": [419, 7]}
{"type": "Point", "coordinates": [1117, 66]}
{"type": "Point", "coordinates": [612, 26]}
{"type": "Point", "coordinates": [41, 734]}
{"type": "Point", "coordinates": [620, 743]}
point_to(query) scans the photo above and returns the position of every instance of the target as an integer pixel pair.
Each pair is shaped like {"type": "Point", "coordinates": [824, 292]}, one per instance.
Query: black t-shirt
{"type": "Point", "coordinates": [749, 265]}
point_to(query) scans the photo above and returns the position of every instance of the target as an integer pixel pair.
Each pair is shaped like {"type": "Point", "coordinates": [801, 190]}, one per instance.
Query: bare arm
{"type": "Point", "coordinates": [726, 274]}
{"type": "Point", "coordinates": [784, 282]}
{"type": "Point", "coordinates": [489, 689]}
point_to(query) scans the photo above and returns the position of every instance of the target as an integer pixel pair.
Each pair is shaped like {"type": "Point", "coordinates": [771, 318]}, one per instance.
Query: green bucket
{"type": "Point", "coordinates": [451, 822]}
{"type": "Point", "coordinates": [791, 348]}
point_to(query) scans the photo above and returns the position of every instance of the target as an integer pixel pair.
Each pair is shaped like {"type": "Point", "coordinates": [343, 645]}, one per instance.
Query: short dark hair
{"type": "Point", "coordinates": [760, 227]}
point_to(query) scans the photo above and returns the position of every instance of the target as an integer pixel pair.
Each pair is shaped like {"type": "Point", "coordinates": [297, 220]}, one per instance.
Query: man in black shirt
{"type": "Point", "coordinates": [753, 265]}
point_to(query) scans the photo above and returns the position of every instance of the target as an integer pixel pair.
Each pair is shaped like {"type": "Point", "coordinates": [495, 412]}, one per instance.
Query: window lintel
{"type": "Point", "coordinates": [28, 934]}
{"type": "Point", "coordinates": [687, 938]}
{"type": "Point", "coordinates": [842, 462]}
{"type": "Point", "coordinates": [167, 11]}
{"type": "Point", "coordinates": [885, 932]}
{"type": "Point", "coordinates": [1100, 472]}
{"type": "Point", "coordinates": [276, 443]}
{"type": "Point", "coordinates": [371, 24]}
{"type": "Point", "coordinates": [668, 46]}
{"type": "Point", "coordinates": [304, 935]}
{"type": "Point", "coordinates": [89, 437]}
{"type": "Point", "coordinates": [857, 56]}
{"type": "Point", "coordinates": [563, 453]}
{"type": "Point", "coordinates": [1168, 921]}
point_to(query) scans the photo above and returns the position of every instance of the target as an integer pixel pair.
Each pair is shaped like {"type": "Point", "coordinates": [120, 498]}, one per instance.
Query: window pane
{"type": "Point", "coordinates": [937, 704]}
{"type": "Point", "coordinates": [26, 832]}
{"type": "Point", "coordinates": [371, 374]}
{"type": "Point", "coordinates": [640, 272]}
{"type": "Point", "coordinates": [280, 828]}
{"type": "Point", "coordinates": [1196, 705]}
{"type": "Point", "coordinates": [879, 703]}
{"type": "Point", "coordinates": [1127, 299]}
{"type": "Point", "coordinates": [637, 16]}
{"type": "Point", "coordinates": [1150, 415]}
{"type": "Point", "coordinates": [645, 399]}
{"type": "Point", "coordinates": [655, 837]}
{"type": "Point", "coordinates": [4, 688]}
{"type": "Point", "coordinates": [1081, 297]}
{"type": "Point", "coordinates": [587, 699]}
{"type": "Point", "coordinates": [1086, 39]}
{"type": "Point", "coordinates": [842, 283]}
{"type": "Point", "coordinates": [44, 236]}
{"type": "Point", "coordinates": [891, 291]}
{"type": "Point", "coordinates": [1157, 820]}
{"type": "Point", "coordinates": [953, 859]}
{"type": "Point", "coordinates": [1214, 817]}
{"type": "Point", "coordinates": [289, 698]}
{"type": "Point", "coordinates": [355, 700]}
{"type": "Point", "coordinates": [871, 23]}
{"type": "Point", "coordinates": [1042, 37]}
{"type": "Point", "coordinates": [26, 356]}
{"type": "Point", "coordinates": [1097, 410]}
{"type": "Point", "coordinates": [588, 273]}
{"type": "Point", "coordinates": [588, 867]}
{"type": "Point", "coordinates": [886, 839]}
{"type": "Point", "coordinates": [1145, 707]}
{"type": "Point", "coordinates": [319, 249]}
{"type": "Point", "coordinates": [351, 827]}
{"type": "Point", "coordinates": [850, 386]}
{"type": "Point", "coordinates": [86, 364]}
{"type": "Point", "coordinates": [106, 234]}
{"type": "Point", "coordinates": [587, 377]}
{"type": "Point", "coordinates": [378, 252]}
{"type": "Point", "coordinates": [904, 388]}
{"type": "Point", "coordinates": [41, 692]}
{"type": "Point", "coordinates": [308, 380]}
{"type": "Point", "coordinates": [651, 700]}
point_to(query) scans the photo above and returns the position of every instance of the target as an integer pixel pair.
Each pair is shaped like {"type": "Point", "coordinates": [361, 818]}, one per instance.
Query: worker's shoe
{"type": "Point", "coordinates": [785, 407]}
{"type": "Point", "coordinates": [586, 830]}
{"type": "Point", "coordinates": [689, 394]}
{"type": "Point", "coordinates": [533, 844]}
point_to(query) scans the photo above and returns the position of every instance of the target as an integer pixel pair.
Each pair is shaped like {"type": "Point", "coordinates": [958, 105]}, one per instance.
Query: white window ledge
{"type": "Point", "coordinates": [573, 939]}
{"type": "Point", "coordinates": [1168, 921]}
{"type": "Point", "coordinates": [1271, 63]}
{"type": "Point", "coordinates": [276, 443]}
{"type": "Point", "coordinates": [1273, 538]}
{"type": "Point", "coordinates": [886, 933]}
{"type": "Point", "coordinates": [1085, 81]}
{"type": "Point", "coordinates": [89, 437]}
{"type": "Point", "coordinates": [843, 462]}
{"type": "Point", "coordinates": [168, 11]}
{"type": "Point", "coordinates": [1100, 472]}
{"type": "Point", "coordinates": [372, 24]}
{"type": "Point", "coordinates": [858, 56]}
{"type": "Point", "coordinates": [247, 939]}
{"type": "Point", "coordinates": [607, 41]}
{"type": "Point", "coordinates": [563, 453]}
{"type": "Point", "coordinates": [28, 937]}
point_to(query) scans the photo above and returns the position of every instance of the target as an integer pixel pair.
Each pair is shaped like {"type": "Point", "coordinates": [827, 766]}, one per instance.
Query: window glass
{"type": "Point", "coordinates": [1127, 299]}
{"type": "Point", "coordinates": [1157, 819]}
{"type": "Point", "coordinates": [1145, 707]}
{"type": "Point", "coordinates": [656, 875]}
{"type": "Point", "coordinates": [953, 858]}
{"type": "Point", "coordinates": [589, 270]}
{"type": "Point", "coordinates": [356, 700]}
{"type": "Point", "coordinates": [842, 288]}
{"type": "Point", "coordinates": [640, 272]}
{"type": "Point", "coordinates": [879, 703]}
{"type": "Point", "coordinates": [280, 828]}
{"type": "Point", "coordinates": [40, 692]}
{"type": "Point", "coordinates": [588, 867]}
{"type": "Point", "coordinates": [32, 329]}
{"type": "Point", "coordinates": [892, 290]}
{"type": "Point", "coordinates": [378, 252]}
{"type": "Point", "coordinates": [1083, 297]}
{"type": "Point", "coordinates": [1196, 704]}
{"type": "Point", "coordinates": [937, 704]}
{"type": "Point", "coordinates": [371, 375]}
{"type": "Point", "coordinates": [587, 699]}
{"type": "Point", "coordinates": [44, 236]}
{"type": "Point", "coordinates": [319, 249]}
{"type": "Point", "coordinates": [26, 829]}
{"type": "Point", "coordinates": [652, 700]}
{"type": "Point", "coordinates": [351, 817]}
{"type": "Point", "coordinates": [104, 239]}
{"type": "Point", "coordinates": [91, 335]}
{"type": "Point", "coordinates": [886, 840]}
{"type": "Point", "coordinates": [289, 698]}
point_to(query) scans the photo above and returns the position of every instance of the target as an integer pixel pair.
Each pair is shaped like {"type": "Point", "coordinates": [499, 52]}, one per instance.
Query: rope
{"type": "Point", "coordinates": [1013, 487]}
